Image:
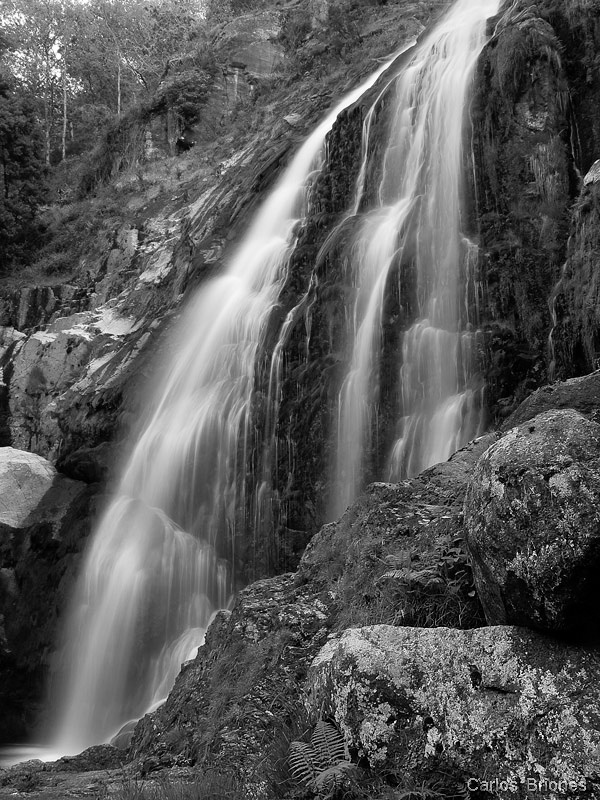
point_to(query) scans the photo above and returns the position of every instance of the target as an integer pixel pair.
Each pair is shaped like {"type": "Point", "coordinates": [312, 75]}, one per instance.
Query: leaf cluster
{"type": "Point", "coordinates": [23, 185]}
{"type": "Point", "coordinates": [323, 764]}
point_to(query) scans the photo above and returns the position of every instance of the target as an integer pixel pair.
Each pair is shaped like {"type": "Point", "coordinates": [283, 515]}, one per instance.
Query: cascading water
{"type": "Point", "coordinates": [416, 224]}
{"type": "Point", "coordinates": [158, 566]}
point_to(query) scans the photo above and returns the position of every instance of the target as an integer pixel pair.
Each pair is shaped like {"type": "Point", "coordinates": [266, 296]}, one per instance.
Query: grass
{"type": "Point", "coordinates": [212, 785]}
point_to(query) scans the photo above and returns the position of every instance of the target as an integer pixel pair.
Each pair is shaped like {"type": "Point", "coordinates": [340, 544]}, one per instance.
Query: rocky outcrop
{"type": "Point", "coordinates": [34, 306]}
{"type": "Point", "coordinates": [437, 705]}
{"type": "Point", "coordinates": [532, 516]}
{"type": "Point", "coordinates": [493, 703]}
{"type": "Point", "coordinates": [51, 374]}
{"type": "Point", "coordinates": [44, 521]}
{"type": "Point", "coordinates": [397, 555]}
{"type": "Point", "coordinates": [581, 394]}
{"type": "Point", "coordinates": [523, 161]}
{"type": "Point", "coordinates": [576, 336]}
{"type": "Point", "coordinates": [536, 134]}
{"type": "Point", "coordinates": [232, 704]}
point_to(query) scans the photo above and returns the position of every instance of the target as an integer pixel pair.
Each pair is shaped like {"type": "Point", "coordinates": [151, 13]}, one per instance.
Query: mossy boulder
{"type": "Point", "coordinates": [496, 701]}
{"type": "Point", "coordinates": [532, 516]}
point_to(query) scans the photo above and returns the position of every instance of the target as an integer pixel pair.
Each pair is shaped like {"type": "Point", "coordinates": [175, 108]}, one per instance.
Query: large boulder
{"type": "Point", "coordinates": [497, 702]}
{"type": "Point", "coordinates": [44, 521]}
{"type": "Point", "coordinates": [532, 516]}
{"type": "Point", "coordinates": [24, 480]}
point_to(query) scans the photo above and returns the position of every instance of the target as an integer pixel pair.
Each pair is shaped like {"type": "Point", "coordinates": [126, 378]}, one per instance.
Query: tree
{"type": "Point", "coordinates": [22, 174]}
{"type": "Point", "coordinates": [86, 62]}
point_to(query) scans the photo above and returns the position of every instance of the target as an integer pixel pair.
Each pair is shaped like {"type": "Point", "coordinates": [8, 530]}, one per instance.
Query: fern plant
{"type": "Point", "coordinates": [323, 764]}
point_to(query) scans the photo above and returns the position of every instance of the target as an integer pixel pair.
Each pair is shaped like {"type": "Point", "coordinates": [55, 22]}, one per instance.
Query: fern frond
{"type": "Point", "coordinates": [328, 745]}
{"type": "Point", "coordinates": [301, 760]}
{"type": "Point", "coordinates": [332, 776]}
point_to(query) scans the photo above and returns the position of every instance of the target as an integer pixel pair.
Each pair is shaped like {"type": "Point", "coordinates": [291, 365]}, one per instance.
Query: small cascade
{"type": "Point", "coordinates": [415, 227]}
{"type": "Point", "coordinates": [160, 562]}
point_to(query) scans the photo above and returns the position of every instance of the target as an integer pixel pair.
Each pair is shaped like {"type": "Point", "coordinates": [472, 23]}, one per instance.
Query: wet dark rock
{"type": "Point", "coordinates": [577, 293]}
{"type": "Point", "coordinates": [524, 188]}
{"type": "Point", "coordinates": [90, 464]}
{"type": "Point", "coordinates": [532, 515]}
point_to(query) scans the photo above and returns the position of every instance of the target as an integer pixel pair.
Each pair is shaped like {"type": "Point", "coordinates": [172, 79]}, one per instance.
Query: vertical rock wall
{"type": "Point", "coordinates": [535, 135]}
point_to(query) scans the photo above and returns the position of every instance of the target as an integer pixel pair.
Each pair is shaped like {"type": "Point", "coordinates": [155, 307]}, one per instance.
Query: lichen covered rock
{"type": "Point", "coordinates": [532, 515]}
{"type": "Point", "coordinates": [493, 701]}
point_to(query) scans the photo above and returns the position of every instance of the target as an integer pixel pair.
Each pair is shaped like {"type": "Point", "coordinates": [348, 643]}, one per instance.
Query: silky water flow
{"type": "Point", "coordinates": [416, 217]}
{"type": "Point", "coordinates": [155, 573]}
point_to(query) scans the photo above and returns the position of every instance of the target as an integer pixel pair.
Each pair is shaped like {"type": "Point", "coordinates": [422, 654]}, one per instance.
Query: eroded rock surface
{"type": "Point", "coordinates": [497, 701]}
{"type": "Point", "coordinates": [532, 515]}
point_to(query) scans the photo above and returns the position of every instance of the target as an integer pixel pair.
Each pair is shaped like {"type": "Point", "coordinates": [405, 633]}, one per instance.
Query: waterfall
{"type": "Point", "coordinates": [160, 562]}
{"type": "Point", "coordinates": [414, 227]}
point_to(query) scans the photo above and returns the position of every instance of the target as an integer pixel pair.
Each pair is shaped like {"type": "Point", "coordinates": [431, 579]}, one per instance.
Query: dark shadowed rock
{"type": "Point", "coordinates": [44, 521]}
{"type": "Point", "coordinates": [90, 464]}
{"type": "Point", "coordinates": [497, 701]}
{"type": "Point", "coordinates": [581, 394]}
{"type": "Point", "coordinates": [532, 515]}
{"type": "Point", "coordinates": [397, 555]}
{"type": "Point", "coordinates": [232, 703]}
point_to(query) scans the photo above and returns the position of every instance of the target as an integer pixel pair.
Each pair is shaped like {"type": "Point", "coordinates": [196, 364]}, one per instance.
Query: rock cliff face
{"type": "Point", "coordinates": [535, 135]}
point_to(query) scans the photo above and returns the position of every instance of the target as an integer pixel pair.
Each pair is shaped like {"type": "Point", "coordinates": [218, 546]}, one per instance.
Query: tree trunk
{"type": "Point", "coordinates": [119, 85]}
{"type": "Point", "coordinates": [64, 127]}
{"type": "Point", "coordinates": [46, 133]}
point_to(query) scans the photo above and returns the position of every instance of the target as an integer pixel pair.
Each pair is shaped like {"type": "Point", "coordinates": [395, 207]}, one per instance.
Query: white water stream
{"type": "Point", "coordinates": [417, 219]}
{"type": "Point", "coordinates": [155, 572]}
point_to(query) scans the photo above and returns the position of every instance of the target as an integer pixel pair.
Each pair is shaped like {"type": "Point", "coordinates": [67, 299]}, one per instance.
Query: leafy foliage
{"type": "Point", "coordinates": [22, 179]}
{"type": "Point", "coordinates": [324, 763]}
{"type": "Point", "coordinates": [120, 147]}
